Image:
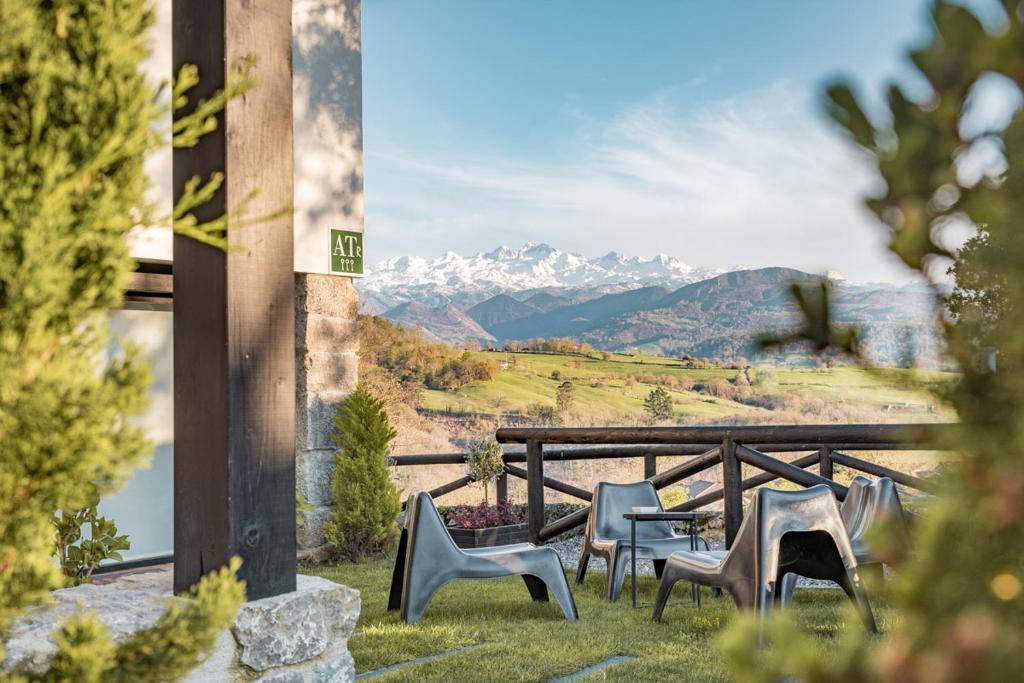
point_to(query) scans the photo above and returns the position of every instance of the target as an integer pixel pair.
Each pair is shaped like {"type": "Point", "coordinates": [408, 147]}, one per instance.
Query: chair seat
{"type": "Point", "coordinates": [499, 549]}
{"type": "Point", "coordinates": [702, 560]}
{"type": "Point", "coordinates": [646, 548]}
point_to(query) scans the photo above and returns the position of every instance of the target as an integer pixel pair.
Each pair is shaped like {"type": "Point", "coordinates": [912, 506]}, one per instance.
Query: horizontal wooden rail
{"type": "Point", "coordinates": [882, 471]}
{"type": "Point", "coordinates": [639, 451]}
{"type": "Point", "coordinates": [785, 470]}
{"type": "Point", "coordinates": [749, 483]}
{"type": "Point", "coordinates": [450, 486]}
{"type": "Point", "coordinates": [894, 434]}
{"type": "Point", "coordinates": [687, 469]}
{"type": "Point", "coordinates": [564, 524]}
{"type": "Point", "coordinates": [569, 489]}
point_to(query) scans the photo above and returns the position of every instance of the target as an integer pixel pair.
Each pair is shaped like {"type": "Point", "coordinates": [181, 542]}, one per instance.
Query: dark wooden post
{"type": "Point", "coordinates": [535, 488]}
{"type": "Point", "coordinates": [234, 327]}
{"type": "Point", "coordinates": [650, 466]}
{"type": "Point", "coordinates": [825, 462]}
{"type": "Point", "coordinates": [732, 487]}
{"type": "Point", "coordinates": [501, 488]}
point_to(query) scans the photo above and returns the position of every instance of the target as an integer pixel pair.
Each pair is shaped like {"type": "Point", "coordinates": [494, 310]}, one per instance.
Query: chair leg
{"type": "Point", "coordinates": [784, 592]}
{"type": "Point", "coordinates": [668, 580]}
{"type": "Point", "coordinates": [552, 576]}
{"type": "Point", "coordinates": [850, 583]}
{"type": "Point", "coordinates": [659, 568]}
{"type": "Point", "coordinates": [616, 574]}
{"type": "Point", "coordinates": [581, 566]}
{"type": "Point", "coordinates": [418, 596]}
{"type": "Point", "coordinates": [538, 591]}
{"type": "Point", "coordinates": [398, 574]}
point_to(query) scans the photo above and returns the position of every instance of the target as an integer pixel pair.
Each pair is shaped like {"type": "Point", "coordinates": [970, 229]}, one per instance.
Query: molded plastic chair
{"type": "Point", "coordinates": [868, 503]}
{"type": "Point", "coordinates": [428, 558]}
{"type": "Point", "coordinates": [784, 532]}
{"type": "Point", "coordinates": [608, 533]}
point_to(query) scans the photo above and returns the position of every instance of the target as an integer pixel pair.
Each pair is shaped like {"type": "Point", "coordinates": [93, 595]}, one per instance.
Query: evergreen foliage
{"type": "Point", "coordinates": [658, 405]}
{"type": "Point", "coordinates": [76, 123]}
{"type": "Point", "coordinates": [960, 588]}
{"type": "Point", "coordinates": [366, 502]}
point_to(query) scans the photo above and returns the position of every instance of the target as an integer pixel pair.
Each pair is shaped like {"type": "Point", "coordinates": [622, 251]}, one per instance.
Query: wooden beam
{"type": "Point", "coordinates": [749, 483]}
{"type": "Point", "coordinates": [893, 434]}
{"type": "Point", "coordinates": [535, 489]}
{"type": "Point", "coordinates": [786, 471]}
{"type": "Point", "coordinates": [882, 471]}
{"type": "Point", "coordinates": [732, 487]}
{"type": "Point", "coordinates": [561, 486]}
{"type": "Point", "coordinates": [234, 354]}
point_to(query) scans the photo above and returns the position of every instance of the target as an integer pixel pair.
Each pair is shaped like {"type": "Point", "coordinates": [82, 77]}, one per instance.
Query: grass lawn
{"type": "Point", "coordinates": [500, 635]}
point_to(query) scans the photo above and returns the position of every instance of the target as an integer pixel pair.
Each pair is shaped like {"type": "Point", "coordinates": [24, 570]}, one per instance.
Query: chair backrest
{"type": "Point", "coordinates": [774, 513]}
{"type": "Point", "coordinates": [611, 501]}
{"type": "Point", "coordinates": [424, 525]}
{"type": "Point", "coordinates": [870, 502]}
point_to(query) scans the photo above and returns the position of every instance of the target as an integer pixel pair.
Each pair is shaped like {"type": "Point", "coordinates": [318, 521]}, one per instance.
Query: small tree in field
{"type": "Point", "coordinates": [565, 397]}
{"type": "Point", "coordinates": [366, 502]}
{"type": "Point", "coordinates": [658, 406]}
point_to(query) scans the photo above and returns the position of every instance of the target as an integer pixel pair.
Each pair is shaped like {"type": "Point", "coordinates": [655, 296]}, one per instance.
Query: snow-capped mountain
{"type": "Point", "coordinates": [467, 280]}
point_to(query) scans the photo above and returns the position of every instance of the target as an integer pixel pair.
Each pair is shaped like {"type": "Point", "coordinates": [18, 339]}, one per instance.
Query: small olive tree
{"type": "Point", "coordinates": [485, 463]}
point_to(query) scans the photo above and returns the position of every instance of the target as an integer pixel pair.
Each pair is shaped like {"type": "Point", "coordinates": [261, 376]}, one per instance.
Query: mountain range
{"type": "Point", "coordinates": [618, 303]}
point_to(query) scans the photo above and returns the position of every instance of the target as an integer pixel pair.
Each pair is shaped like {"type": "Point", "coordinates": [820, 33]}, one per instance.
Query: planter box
{"type": "Point", "coordinates": [495, 535]}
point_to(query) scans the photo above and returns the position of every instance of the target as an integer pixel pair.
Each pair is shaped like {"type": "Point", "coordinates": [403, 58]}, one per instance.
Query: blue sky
{"type": "Point", "coordinates": [689, 128]}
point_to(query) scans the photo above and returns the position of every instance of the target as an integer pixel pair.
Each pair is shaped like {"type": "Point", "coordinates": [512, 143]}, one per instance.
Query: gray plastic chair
{"type": "Point", "coordinates": [608, 533]}
{"type": "Point", "coordinates": [784, 532]}
{"type": "Point", "coordinates": [868, 503]}
{"type": "Point", "coordinates": [428, 558]}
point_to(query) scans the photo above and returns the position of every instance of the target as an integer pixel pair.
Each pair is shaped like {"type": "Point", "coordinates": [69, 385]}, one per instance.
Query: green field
{"type": "Point", "coordinates": [611, 390]}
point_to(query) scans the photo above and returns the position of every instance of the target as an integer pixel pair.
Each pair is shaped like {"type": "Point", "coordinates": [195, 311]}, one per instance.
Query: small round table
{"type": "Point", "coordinates": [691, 518]}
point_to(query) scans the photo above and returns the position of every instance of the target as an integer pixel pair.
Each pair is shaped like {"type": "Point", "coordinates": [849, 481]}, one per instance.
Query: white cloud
{"type": "Point", "coordinates": [758, 179]}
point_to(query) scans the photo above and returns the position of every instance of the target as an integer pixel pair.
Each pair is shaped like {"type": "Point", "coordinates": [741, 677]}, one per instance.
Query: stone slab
{"type": "Point", "coordinates": [297, 636]}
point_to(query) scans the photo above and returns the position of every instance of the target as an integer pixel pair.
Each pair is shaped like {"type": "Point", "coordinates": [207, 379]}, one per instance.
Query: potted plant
{"type": "Point", "coordinates": [486, 524]}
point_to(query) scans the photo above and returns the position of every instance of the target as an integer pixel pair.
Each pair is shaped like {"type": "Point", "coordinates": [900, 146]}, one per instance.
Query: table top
{"type": "Point", "coordinates": [670, 516]}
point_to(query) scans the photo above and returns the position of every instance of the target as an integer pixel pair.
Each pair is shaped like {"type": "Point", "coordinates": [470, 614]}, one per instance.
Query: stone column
{"type": "Point", "coordinates": [326, 371]}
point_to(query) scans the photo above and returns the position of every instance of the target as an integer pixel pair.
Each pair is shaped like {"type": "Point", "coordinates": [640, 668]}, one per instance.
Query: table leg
{"type": "Point", "coordinates": [632, 556]}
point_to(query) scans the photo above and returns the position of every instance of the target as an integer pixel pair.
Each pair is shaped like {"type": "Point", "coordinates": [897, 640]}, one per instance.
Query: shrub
{"type": "Point", "coordinates": [366, 502]}
{"type": "Point", "coordinates": [484, 516]}
{"type": "Point", "coordinates": [79, 557]}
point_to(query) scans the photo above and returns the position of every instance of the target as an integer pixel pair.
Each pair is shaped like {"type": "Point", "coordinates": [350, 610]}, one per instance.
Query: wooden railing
{"type": "Point", "coordinates": [707, 447]}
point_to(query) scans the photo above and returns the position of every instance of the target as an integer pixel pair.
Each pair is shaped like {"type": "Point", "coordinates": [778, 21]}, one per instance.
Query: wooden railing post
{"type": "Point", "coordinates": [650, 466]}
{"type": "Point", "coordinates": [732, 487]}
{"type": "Point", "coordinates": [535, 489]}
{"type": "Point", "coordinates": [501, 488]}
{"type": "Point", "coordinates": [825, 462]}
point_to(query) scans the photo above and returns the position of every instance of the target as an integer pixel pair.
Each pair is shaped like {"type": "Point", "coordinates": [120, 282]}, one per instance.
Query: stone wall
{"type": "Point", "coordinates": [297, 637]}
{"type": "Point", "coordinates": [326, 371]}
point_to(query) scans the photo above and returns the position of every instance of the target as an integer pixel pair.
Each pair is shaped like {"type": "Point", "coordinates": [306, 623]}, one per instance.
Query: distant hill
{"type": "Point", "coordinates": [717, 316]}
{"type": "Point", "coordinates": [502, 309]}
{"type": "Point", "coordinates": [444, 323]}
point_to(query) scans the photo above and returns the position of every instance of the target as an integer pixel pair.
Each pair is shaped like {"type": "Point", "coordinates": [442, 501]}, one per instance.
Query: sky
{"type": "Point", "coordinates": [694, 129]}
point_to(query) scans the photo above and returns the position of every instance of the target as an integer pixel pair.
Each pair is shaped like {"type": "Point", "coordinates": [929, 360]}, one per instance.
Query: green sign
{"type": "Point", "coordinates": [346, 252]}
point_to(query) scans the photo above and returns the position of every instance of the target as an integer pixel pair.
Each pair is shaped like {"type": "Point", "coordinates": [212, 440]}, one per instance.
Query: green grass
{"type": "Point", "coordinates": [612, 391]}
{"type": "Point", "coordinates": [519, 640]}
